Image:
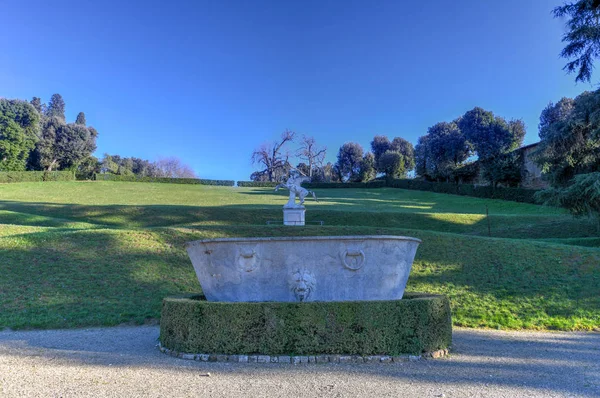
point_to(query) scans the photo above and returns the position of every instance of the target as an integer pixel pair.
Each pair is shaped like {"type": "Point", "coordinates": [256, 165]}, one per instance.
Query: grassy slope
{"type": "Point", "coordinates": [80, 254]}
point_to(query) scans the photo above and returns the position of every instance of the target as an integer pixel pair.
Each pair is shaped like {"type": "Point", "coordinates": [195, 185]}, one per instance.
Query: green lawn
{"type": "Point", "coordinates": [104, 253]}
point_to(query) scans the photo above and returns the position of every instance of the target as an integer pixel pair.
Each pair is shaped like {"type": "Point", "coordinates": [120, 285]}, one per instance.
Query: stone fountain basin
{"type": "Point", "coordinates": [296, 269]}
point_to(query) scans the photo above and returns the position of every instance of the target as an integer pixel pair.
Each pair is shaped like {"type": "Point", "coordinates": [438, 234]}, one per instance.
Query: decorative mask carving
{"type": "Point", "coordinates": [247, 259]}
{"type": "Point", "coordinates": [302, 283]}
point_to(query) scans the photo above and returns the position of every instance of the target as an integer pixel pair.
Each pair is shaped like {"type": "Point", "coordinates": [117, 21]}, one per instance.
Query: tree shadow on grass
{"type": "Point", "coordinates": [98, 277]}
{"type": "Point", "coordinates": [152, 216]}
{"type": "Point", "coordinates": [89, 278]}
{"type": "Point", "coordinates": [392, 199]}
{"type": "Point", "coordinates": [496, 283]}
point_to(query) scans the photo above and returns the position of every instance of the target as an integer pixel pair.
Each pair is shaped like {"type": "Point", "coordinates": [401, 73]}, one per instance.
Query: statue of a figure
{"type": "Point", "coordinates": [293, 185]}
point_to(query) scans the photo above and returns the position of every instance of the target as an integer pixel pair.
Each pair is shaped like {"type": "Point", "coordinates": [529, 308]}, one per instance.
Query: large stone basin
{"type": "Point", "coordinates": [294, 269]}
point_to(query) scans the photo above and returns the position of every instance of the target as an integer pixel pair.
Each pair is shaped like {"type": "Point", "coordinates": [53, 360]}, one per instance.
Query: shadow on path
{"type": "Point", "coordinates": [481, 361]}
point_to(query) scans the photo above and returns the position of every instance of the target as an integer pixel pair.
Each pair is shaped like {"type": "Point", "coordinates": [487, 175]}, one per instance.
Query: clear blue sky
{"type": "Point", "coordinates": [208, 81]}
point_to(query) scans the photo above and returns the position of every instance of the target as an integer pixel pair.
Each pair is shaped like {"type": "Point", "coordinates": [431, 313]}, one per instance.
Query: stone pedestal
{"type": "Point", "coordinates": [293, 216]}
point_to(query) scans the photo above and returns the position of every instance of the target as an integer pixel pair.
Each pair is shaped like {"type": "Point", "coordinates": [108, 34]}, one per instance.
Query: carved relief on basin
{"type": "Point", "coordinates": [288, 269]}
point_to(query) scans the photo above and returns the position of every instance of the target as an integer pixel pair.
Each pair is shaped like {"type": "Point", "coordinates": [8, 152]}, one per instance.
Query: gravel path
{"type": "Point", "coordinates": [124, 362]}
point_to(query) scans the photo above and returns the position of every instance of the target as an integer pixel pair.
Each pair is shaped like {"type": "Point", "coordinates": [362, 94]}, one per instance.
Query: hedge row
{"type": "Point", "coordinates": [327, 185]}
{"type": "Point", "coordinates": [417, 323]}
{"type": "Point", "coordinates": [115, 177]}
{"type": "Point", "coordinates": [512, 194]}
{"type": "Point", "coordinates": [36, 176]}
{"type": "Point", "coordinates": [257, 184]}
{"type": "Point", "coordinates": [316, 185]}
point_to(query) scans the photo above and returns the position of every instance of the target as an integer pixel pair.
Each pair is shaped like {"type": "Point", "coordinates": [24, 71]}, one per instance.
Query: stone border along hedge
{"type": "Point", "coordinates": [297, 359]}
{"type": "Point", "coordinates": [419, 324]}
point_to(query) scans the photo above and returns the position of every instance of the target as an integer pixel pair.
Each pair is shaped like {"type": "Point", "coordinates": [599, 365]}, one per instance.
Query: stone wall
{"type": "Point", "coordinates": [532, 174]}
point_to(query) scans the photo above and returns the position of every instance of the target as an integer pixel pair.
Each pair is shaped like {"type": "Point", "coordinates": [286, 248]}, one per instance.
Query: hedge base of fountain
{"type": "Point", "coordinates": [419, 323]}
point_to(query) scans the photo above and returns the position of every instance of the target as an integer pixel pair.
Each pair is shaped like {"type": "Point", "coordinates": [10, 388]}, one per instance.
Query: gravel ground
{"type": "Point", "coordinates": [124, 362]}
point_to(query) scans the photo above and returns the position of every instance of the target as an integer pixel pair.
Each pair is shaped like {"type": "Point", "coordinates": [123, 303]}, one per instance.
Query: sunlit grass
{"type": "Point", "coordinates": [384, 199]}
{"type": "Point", "coordinates": [462, 219]}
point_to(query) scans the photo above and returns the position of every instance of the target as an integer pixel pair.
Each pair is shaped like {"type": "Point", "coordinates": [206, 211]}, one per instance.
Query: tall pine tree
{"type": "Point", "coordinates": [56, 107]}
{"type": "Point", "coordinates": [81, 119]}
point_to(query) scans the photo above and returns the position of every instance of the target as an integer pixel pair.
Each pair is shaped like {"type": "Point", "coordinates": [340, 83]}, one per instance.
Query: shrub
{"type": "Point", "coordinates": [417, 323]}
{"type": "Point", "coordinates": [581, 198]}
{"type": "Point", "coordinates": [36, 176]}
{"type": "Point", "coordinates": [166, 180]}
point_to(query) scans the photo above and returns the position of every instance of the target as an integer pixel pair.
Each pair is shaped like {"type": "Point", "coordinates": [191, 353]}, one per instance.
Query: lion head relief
{"type": "Point", "coordinates": [302, 283]}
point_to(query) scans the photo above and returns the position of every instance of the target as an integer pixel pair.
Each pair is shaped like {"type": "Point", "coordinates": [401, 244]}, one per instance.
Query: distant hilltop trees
{"type": "Point", "coordinates": [171, 167]}
{"type": "Point", "coordinates": [392, 159]}
{"type": "Point", "coordinates": [36, 136]}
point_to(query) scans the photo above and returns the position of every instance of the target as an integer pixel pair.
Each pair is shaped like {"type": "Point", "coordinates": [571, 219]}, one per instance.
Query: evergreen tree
{"type": "Point", "coordinates": [367, 168]}
{"type": "Point", "coordinates": [87, 168]}
{"type": "Point", "coordinates": [19, 127]}
{"type": "Point", "coordinates": [570, 138]}
{"type": "Point", "coordinates": [581, 197]}
{"type": "Point", "coordinates": [37, 104]}
{"type": "Point", "coordinates": [56, 107]}
{"type": "Point", "coordinates": [407, 151]}
{"type": "Point", "coordinates": [492, 137]}
{"type": "Point", "coordinates": [81, 119]}
{"type": "Point", "coordinates": [392, 164]}
{"type": "Point", "coordinates": [582, 36]}
{"type": "Point", "coordinates": [349, 159]}
{"type": "Point", "coordinates": [62, 145]}
{"type": "Point", "coordinates": [381, 145]}
{"type": "Point", "coordinates": [441, 152]}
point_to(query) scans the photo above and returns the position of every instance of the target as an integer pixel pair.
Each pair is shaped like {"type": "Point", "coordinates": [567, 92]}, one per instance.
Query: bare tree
{"type": "Point", "coordinates": [272, 158]}
{"type": "Point", "coordinates": [310, 152]}
{"type": "Point", "coordinates": [173, 167]}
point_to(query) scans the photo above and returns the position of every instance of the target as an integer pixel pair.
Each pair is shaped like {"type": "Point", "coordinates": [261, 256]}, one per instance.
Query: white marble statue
{"type": "Point", "coordinates": [296, 190]}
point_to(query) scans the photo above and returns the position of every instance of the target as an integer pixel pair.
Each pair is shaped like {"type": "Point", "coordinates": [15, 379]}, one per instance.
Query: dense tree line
{"type": "Point", "coordinates": [569, 153]}
{"type": "Point", "coordinates": [443, 153]}
{"type": "Point", "coordinates": [569, 149]}
{"type": "Point", "coordinates": [390, 159]}
{"type": "Point", "coordinates": [36, 136]}
{"type": "Point", "coordinates": [19, 132]}
{"type": "Point", "coordinates": [568, 134]}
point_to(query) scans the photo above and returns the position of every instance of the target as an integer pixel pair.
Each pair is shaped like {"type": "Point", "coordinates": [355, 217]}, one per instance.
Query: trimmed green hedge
{"type": "Point", "coordinates": [418, 323]}
{"type": "Point", "coordinates": [325, 185]}
{"type": "Point", "coordinates": [36, 176]}
{"type": "Point", "coordinates": [512, 194]}
{"type": "Point", "coordinates": [116, 177]}
{"type": "Point", "coordinates": [257, 184]}
{"type": "Point", "coordinates": [316, 185]}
